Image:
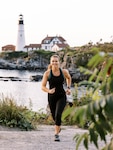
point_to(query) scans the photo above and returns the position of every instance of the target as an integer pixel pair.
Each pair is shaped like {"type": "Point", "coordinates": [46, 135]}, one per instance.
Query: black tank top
{"type": "Point", "coordinates": [57, 83]}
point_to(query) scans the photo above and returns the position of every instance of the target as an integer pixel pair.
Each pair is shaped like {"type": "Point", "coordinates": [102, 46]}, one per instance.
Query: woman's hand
{"type": "Point", "coordinates": [51, 91]}
{"type": "Point", "coordinates": [68, 91]}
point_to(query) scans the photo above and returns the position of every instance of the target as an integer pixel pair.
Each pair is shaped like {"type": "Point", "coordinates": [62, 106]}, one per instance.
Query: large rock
{"type": "Point", "coordinates": [36, 77]}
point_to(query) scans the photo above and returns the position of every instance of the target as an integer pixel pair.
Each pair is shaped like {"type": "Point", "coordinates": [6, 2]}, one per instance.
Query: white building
{"type": "Point", "coordinates": [32, 47]}
{"type": "Point", "coordinates": [54, 43]}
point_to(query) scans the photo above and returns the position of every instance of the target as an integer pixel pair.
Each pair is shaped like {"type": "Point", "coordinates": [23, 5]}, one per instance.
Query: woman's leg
{"type": "Point", "coordinates": [52, 106]}
{"type": "Point", "coordinates": [57, 108]}
{"type": "Point", "coordinates": [60, 105]}
{"type": "Point", "coordinates": [57, 129]}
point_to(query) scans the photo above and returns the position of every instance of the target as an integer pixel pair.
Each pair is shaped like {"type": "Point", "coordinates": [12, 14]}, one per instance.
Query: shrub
{"type": "Point", "coordinates": [12, 115]}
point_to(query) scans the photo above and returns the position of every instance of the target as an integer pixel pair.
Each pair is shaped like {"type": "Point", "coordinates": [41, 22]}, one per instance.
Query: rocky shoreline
{"type": "Point", "coordinates": [76, 75]}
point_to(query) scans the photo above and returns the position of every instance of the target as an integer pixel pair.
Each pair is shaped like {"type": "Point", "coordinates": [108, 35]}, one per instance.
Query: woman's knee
{"type": "Point", "coordinates": [58, 119]}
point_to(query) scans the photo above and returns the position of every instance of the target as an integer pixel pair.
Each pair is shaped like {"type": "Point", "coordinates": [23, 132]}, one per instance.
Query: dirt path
{"type": "Point", "coordinates": [42, 139]}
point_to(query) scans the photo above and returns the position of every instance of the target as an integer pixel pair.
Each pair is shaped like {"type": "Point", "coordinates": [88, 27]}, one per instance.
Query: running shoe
{"type": "Point", "coordinates": [57, 138]}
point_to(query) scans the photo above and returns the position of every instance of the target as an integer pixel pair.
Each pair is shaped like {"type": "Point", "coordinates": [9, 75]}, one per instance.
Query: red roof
{"type": "Point", "coordinates": [50, 38]}
{"type": "Point", "coordinates": [8, 47]}
{"type": "Point", "coordinates": [62, 45]}
{"type": "Point", "coordinates": [33, 46]}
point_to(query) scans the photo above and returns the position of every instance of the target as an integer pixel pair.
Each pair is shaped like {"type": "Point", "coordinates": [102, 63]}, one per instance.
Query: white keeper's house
{"type": "Point", "coordinates": [52, 43]}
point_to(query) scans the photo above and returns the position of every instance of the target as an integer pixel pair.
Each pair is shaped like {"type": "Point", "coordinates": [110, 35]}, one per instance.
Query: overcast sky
{"type": "Point", "coordinates": [78, 21]}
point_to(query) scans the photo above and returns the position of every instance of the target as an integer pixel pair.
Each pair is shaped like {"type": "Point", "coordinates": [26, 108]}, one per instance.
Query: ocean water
{"type": "Point", "coordinates": [24, 92]}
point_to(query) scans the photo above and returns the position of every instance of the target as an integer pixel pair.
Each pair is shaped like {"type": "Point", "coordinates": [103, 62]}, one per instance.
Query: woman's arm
{"type": "Point", "coordinates": [44, 83]}
{"type": "Point", "coordinates": [68, 80]}
{"type": "Point", "coordinates": [67, 77]}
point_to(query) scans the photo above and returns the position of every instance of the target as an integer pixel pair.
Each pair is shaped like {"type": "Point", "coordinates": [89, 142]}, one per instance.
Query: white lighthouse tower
{"type": "Point", "coordinates": [20, 37]}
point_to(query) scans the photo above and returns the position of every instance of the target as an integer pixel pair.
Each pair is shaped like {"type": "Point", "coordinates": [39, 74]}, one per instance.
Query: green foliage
{"type": "Point", "coordinates": [95, 60]}
{"type": "Point", "coordinates": [83, 57]}
{"type": "Point", "coordinates": [12, 55]}
{"type": "Point", "coordinates": [99, 111]}
{"type": "Point", "coordinates": [12, 115]}
{"type": "Point", "coordinates": [66, 117]}
{"type": "Point", "coordinates": [100, 114]}
{"type": "Point", "coordinates": [45, 54]}
{"type": "Point", "coordinates": [84, 137]}
{"type": "Point", "coordinates": [106, 47]}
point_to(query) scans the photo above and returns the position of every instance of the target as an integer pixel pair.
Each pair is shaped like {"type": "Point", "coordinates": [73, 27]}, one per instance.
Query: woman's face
{"type": "Point", "coordinates": [54, 62]}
